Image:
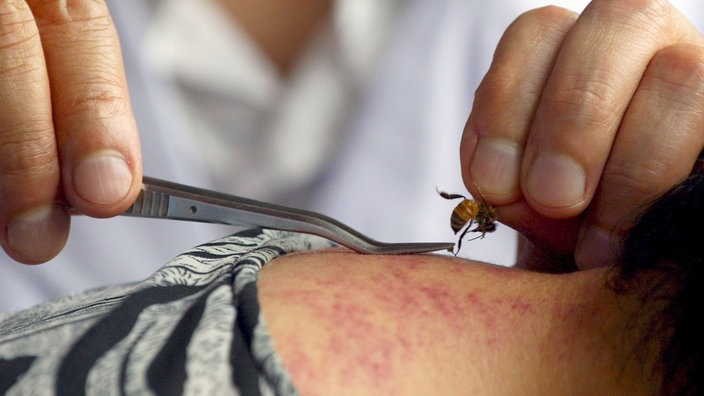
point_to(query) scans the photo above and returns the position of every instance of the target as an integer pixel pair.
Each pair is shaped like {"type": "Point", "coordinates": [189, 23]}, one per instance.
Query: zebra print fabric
{"type": "Point", "coordinates": [194, 327]}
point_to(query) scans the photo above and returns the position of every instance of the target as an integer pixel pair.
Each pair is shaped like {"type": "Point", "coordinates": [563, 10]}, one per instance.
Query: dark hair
{"type": "Point", "coordinates": [662, 261]}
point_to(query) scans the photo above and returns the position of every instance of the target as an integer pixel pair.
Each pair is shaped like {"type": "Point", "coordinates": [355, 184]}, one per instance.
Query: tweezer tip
{"type": "Point", "coordinates": [414, 248]}
{"type": "Point", "coordinates": [447, 246]}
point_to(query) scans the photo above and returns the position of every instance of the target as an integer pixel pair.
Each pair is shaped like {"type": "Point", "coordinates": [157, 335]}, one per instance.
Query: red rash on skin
{"type": "Point", "coordinates": [370, 319]}
{"type": "Point", "coordinates": [348, 323]}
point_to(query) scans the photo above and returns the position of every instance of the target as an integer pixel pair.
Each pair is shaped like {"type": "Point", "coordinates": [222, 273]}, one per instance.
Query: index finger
{"type": "Point", "coordinates": [94, 125]}
{"type": "Point", "coordinates": [593, 80]}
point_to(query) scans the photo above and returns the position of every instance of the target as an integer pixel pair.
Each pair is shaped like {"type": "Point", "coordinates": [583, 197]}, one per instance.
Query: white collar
{"type": "Point", "coordinates": [180, 41]}
{"type": "Point", "coordinates": [297, 118]}
{"type": "Point", "coordinates": [183, 35]}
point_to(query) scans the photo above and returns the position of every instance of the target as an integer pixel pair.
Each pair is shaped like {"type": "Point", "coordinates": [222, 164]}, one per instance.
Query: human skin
{"type": "Point", "coordinates": [581, 119]}
{"type": "Point", "coordinates": [345, 323]}
{"type": "Point", "coordinates": [68, 137]}
{"type": "Point", "coordinates": [281, 28]}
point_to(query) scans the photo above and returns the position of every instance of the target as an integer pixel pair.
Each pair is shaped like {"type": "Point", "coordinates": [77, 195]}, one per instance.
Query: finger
{"type": "Point", "coordinates": [95, 129]}
{"type": "Point", "coordinates": [34, 226]}
{"type": "Point", "coordinates": [535, 258]}
{"type": "Point", "coordinates": [594, 77]}
{"type": "Point", "coordinates": [558, 237]}
{"type": "Point", "coordinates": [505, 102]}
{"type": "Point", "coordinates": [661, 136]}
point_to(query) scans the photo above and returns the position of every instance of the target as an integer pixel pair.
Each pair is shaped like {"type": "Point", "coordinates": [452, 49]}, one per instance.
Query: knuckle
{"type": "Point", "coordinates": [640, 16]}
{"type": "Point", "coordinates": [540, 18]}
{"type": "Point", "coordinates": [21, 56]}
{"type": "Point", "coordinates": [585, 100]}
{"type": "Point", "coordinates": [58, 12]}
{"type": "Point", "coordinates": [12, 11]}
{"type": "Point", "coordinates": [29, 171]}
{"type": "Point", "coordinates": [17, 29]}
{"type": "Point", "coordinates": [100, 97]}
{"type": "Point", "coordinates": [21, 62]}
{"type": "Point", "coordinates": [74, 25]}
{"type": "Point", "coordinates": [539, 26]}
{"type": "Point", "coordinates": [494, 89]}
{"type": "Point", "coordinates": [28, 155]}
{"type": "Point", "coordinates": [680, 65]}
{"type": "Point", "coordinates": [638, 180]}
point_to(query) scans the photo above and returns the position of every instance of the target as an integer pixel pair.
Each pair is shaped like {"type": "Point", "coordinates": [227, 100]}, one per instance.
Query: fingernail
{"type": "Point", "coordinates": [103, 178]}
{"type": "Point", "coordinates": [556, 180]}
{"type": "Point", "coordinates": [38, 235]}
{"type": "Point", "coordinates": [598, 248]}
{"type": "Point", "coordinates": [496, 166]}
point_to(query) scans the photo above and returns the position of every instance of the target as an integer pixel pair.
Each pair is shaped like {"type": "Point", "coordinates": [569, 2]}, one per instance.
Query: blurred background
{"type": "Point", "coordinates": [361, 121]}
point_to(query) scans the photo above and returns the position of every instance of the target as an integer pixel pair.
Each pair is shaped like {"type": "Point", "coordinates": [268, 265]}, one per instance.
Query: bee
{"type": "Point", "coordinates": [469, 212]}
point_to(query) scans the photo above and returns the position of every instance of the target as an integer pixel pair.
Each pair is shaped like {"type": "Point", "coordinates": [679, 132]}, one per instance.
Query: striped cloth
{"type": "Point", "coordinates": [194, 327]}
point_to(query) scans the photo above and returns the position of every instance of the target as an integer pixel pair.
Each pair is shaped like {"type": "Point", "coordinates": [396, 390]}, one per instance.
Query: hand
{"type": "Point", "coordinates": [67, 133]}
{"type": "Point", "coordinates": [583, 119]}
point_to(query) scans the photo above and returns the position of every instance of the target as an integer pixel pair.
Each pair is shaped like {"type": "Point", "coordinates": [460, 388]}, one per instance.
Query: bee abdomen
{"type": "Point", "coordinates": [464, 213]}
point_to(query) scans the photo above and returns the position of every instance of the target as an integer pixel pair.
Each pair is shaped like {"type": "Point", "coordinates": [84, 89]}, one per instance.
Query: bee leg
{"type": "Point", "coordinates": [481, 236]}
{"type": "Point", "coordinates": [478, 229]}
{"type": "Point", "coordinates": [449, 196]}
{"type": "Point", "coordinates": [459, 240]}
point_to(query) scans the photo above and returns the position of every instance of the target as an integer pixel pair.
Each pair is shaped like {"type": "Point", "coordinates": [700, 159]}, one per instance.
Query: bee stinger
{"type": "Point", "coordinates": [469, 212]}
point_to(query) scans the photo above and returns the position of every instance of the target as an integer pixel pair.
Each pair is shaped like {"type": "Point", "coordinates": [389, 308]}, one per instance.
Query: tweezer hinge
{"type": "Point", "coordinates": [150, 204]}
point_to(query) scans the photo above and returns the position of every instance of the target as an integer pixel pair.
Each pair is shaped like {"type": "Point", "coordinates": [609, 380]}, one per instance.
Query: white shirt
{"type": "Point", "coordinates": [365, 130]}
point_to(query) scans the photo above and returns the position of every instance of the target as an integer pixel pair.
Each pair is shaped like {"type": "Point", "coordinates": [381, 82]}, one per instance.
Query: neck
{"type": "Point", "coordinates": [530, 333]}
{"type": "Point", "coordinates": [591, 342]}
{"type": "Point", "coordinates": [281, 28]}
{"type": "Point", "coordinates": [428, 324]}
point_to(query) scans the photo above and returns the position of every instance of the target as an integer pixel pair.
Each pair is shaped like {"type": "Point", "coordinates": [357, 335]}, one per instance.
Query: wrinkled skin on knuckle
{"type": "Point", "coordinates": [66, 11]}
{"type": "Point", "coordinates": [544, 19]}
{"type": "Point", "coordinates": [681, 68]}
{"type": "Point", "coordinates": [80, 27]}
{"type": "Point", "coordinates": [102, 98]}
{"type": "Point", "coordinates": [532, 31]}
{"type": "Point", "coordinates": [17, 30]}
{"type": "Point", "coordinates": [16, 25]}
{"type": "Point", "coordinates": [13, 12]}
{"type": "Point", "coordinates": [21, 56]}
{"type": "Point", "coordinates": [586, 100]}
{"type": "Point", "coordinates": [538, 26]}
{"type": "Point", "coordinates": [29, 172]}
{"type": "Point", "coordinates": [494, 90]}
{"type": "Point", "coordinates": [676, 78]}
{"type": "Point", "coordinates": [28, 154]}
{"type": "Point", "coordinates": [653, 18]}
{"type": "Point", "coordinates": [638, 182]}
{"type": "Point", "coordinates": [646, 10]}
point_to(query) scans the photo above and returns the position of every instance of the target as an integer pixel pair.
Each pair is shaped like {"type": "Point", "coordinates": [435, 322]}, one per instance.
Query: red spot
{"type": "Point", "coordinates": [522, 308]}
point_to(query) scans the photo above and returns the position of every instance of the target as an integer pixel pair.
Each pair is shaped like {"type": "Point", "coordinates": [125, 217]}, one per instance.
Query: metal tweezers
{"type": "Point", "coordinates": [167, 200]}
